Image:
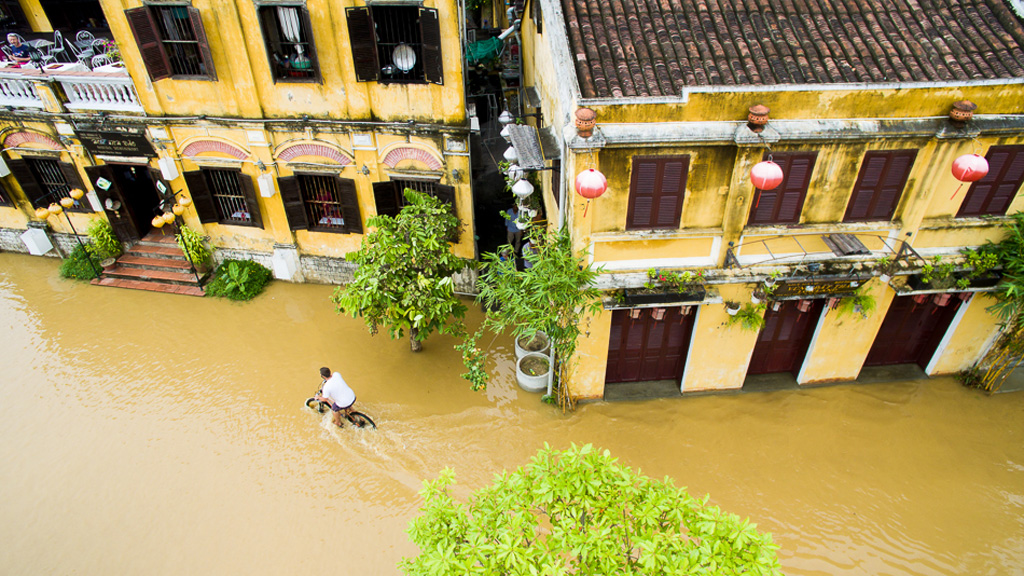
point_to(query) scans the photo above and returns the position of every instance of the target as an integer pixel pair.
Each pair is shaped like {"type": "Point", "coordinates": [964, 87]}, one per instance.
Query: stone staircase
{"type": "Point", "coordinates": [155, 264]}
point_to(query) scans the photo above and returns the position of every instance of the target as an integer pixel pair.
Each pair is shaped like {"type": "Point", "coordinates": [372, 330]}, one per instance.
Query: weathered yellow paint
{"type": "Point", "coordinates": [652, 248]}
{"type": "Point", "coordinates": [797, 242]}
{"type": "Point", "coordinates": [719, 353]}
{"type": "Point", "coordinates": [971, 337]}
{"type": "Point", "coordinates": [13, 217]}
{"type": "Point", "coordinates": [957, 237]}
{"type": "Point", "coordinates": [592, 356]}
{"type": "Point", "coordinates": [36, 16]}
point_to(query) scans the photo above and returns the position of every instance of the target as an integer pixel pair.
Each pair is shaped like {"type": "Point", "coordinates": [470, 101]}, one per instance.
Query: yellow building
{"type": "Point", "coordinates": [689, 97]}
{"type": "Point", "coordinates": [288, 124]}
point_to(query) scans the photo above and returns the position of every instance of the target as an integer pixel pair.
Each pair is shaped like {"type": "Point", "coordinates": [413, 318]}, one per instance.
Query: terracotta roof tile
{"type": "Point", "coordinates": [627, 48]}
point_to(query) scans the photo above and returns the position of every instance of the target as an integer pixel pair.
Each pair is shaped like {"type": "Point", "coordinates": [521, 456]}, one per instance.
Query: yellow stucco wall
{"type": "Point", "coordinates": [592, 356]}
{"type": "Point", "coordinates": [652, 248]}
{"type": "Point", "coordinates": [719, 353]}
{"type": "Point", "coordinates": [971, 338]}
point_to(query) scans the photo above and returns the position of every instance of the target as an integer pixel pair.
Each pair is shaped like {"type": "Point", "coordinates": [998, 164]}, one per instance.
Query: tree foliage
{"type": "Point", "coordinates": [581, 512]}
{"type": "Point", "coordinates": [404, 279]}
{"type": "Point", "coordinates": [553, 296]}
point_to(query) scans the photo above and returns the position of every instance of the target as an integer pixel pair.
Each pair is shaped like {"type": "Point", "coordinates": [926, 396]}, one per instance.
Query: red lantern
{"type": "Point", "coordinates": [968, 168]}
{"type": "Point", "coordinates": [590, 184]}
{"type": "Point", "coordinates": [766, 175]}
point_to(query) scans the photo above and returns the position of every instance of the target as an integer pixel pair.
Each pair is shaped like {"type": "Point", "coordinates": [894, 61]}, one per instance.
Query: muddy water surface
{"type": "Point", "coordinates": [151, 434]}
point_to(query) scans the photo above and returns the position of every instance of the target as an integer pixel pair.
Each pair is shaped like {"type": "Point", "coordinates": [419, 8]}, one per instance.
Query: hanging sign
{"type": "Point", "coordinates": [811, 288]}
{"type": "Point", "coordinates": [103, 183]}
{"type": "Point", "coordinates": [116, 143]}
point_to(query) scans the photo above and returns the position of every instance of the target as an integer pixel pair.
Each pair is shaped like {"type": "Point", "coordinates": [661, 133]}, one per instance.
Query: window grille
{"type": "Point", "coordinates": [53, 183]}
{"type": "Point", "coordinates": [428, 187]}
{"type": "Point", "coordinates": [322, 202]}
{"type": "Point", "coordinates": [399, 44]}
{"type": "Point", "coordinates": [289, 42]}
{"type": "Point", "coordinates": [228, 196]}
{"type": "Point", "coordinates": [179, 40]}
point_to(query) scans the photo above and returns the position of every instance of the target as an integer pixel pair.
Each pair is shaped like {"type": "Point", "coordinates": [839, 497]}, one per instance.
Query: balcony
{"type": "Point", "coordinates": [104, 89]}
{"type": "Point", "coordinates": [18, 91]}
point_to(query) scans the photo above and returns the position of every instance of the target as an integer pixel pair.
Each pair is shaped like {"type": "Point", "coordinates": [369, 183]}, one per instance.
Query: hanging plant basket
{"type": "Point", "coordinates": [640, 296]}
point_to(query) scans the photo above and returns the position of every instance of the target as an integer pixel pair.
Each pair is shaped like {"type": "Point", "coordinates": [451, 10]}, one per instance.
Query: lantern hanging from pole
{"type": "Point", "coordinates": [590, 184]}
{"type": "Point", "coordinates": [67, 202]}
{"type": "Point", "coordinates": [157, 222]}
{"type": "Point", "coordinates": [178, 209]}
{"type": "Point", "coordinates": [968, 168]}
{"type": "Point", "coordinates": [511, 155]}
{"type": "Point", "coordinates": [522, 189]}
{"type": "Point", "coordinates": [55, 209]}
{"type": "Point", "coordinates": [42, 213]}
{"type": "Point", "coordinates": [168, 217]}
{"type": "Point", "coordinates": [76, 193]}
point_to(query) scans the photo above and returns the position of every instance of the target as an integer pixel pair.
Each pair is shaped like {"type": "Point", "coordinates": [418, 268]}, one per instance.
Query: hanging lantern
{"type": "Point", "coordinates": [157, 222]}
{"type": "Point", "coordinates": [42, 213]}
{"type": "Point", "coordinates": [920, 298]}
{"type": "Point", "coordinates": [942, 299]}
{"type": "Point", "coordinates": [178, 209]}
{"type": "Point", "coordinates": [968, 168]}
{"type": "Point", "coordinates": [515, 173]}
{"type": "Point", "coordinates": [590, 184]}
{"type": "Point", "coordinates": [803, 305]}
{"type": "Point", "coordinates": [506, 134]}
{"type": "Point", "coordinates": [404, 57]}
{"type": "Point", "coordinates": [67, 202]}
{"type": "Point", "coordinates": [168, 218]}
{"type": "Point", "coordinates": [511, 155]}
{"type": "Point", "coordinates": [184, 201]}
{"type": "Point", "coordinates": [76, 193]}
{"type": "Point", "coordinates": [55, 209]}
{"type": "Point", "coordinates": [766, 175]}
{"type": "Point", "coordinates": [522, 189]}
{"type": "Point", "coordinates": [505, 117]}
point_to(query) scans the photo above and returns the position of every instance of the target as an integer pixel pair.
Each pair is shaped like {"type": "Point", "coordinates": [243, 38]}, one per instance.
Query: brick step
{"type": "Point", "coordinates": [168, 264]}
{"type": "Point", "coordinates": [158, 241]}
{"type": "Point", "coordinates": [164, 276]}
{"type": "Point", "coordinates": [148, 251]}
{"type": "Point", "coordinates": [149, 286]}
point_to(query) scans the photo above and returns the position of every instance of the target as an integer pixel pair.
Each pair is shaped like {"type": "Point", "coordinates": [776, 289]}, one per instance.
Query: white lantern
{"type": "Point", "coordinates": [511, 155]}
{"type": "Point", "coordinates": [404, 57]}
{"type": "Point", "coordinates": [505, 118]}
{"type": "Point", "coordinates": [506, 134]}
{"type": "Point", "coordinates": [522, 189]}
{"type": "Point", "coordinates": [515, 173]}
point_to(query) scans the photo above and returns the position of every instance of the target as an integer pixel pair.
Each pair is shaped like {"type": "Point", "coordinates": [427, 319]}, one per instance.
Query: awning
{"type": "Point", "coordinates": [526, 141]}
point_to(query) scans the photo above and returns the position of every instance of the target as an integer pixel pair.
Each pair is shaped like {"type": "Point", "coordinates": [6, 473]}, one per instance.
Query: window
{"type": "Point", "coordinates": [784, 204]}
{"type": "Point", "coordinates": [879, 185]}
{"type": "Point", "coordinates": [395, 44]}
{"type": "Point", "coordinates": [289, 39]}
{"type": "Point", "coordinates": [656, 192]}
{"type": "Point", "coordinates": [224, 196]}
{"type": "Point", "coordinates": [172, 41]}
{"type": "Point", "coordinates": [992, 195]}
{"type": "Point", "coordinates": [321, 202]}
{"type": "Point", "coordinates": [47, 181]}
{"type": "Point", "coordinates": [390, 196]}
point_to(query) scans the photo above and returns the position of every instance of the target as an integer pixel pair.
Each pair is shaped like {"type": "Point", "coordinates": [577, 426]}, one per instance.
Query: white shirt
{"type": "Point", "coordinates": [337, 390]}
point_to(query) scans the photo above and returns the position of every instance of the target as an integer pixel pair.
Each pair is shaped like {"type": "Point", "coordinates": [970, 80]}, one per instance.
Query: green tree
{"type": "Point", "coordinates": [581, 512]}
{"type": "Point", "coordinates": [404, 279]}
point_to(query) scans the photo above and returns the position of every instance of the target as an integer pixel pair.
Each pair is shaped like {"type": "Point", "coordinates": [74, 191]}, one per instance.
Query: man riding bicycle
{"type": "Point", "coordinates": [336, 393]}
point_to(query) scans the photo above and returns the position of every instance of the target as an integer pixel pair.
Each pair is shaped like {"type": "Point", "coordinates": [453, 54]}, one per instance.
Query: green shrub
{"type": "Point", "coordinates": [191, 243]}
{"type": "Point", "coordinates": [239, 280]}
{"type": "Point", "coordinates": [105, 242]}
{"type": "Point", "coordinates": [77, 265]}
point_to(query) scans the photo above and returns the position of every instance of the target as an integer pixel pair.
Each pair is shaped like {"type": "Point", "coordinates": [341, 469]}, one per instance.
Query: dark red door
{"type": "Point", "coordinates": [911, 331]}
{"type": "Point", "coordinates": [649, 344]}
{"type": "Point", "coordinates": [783, 341]}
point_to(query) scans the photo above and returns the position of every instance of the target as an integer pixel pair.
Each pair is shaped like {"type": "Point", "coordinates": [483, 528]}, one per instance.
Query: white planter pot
{"type": "Point", "coordinates": [732, 311]}
{"type": "Point", "coordinates": [533, 382]}
{"type": "Point", "coordinates": [520, 351]}
{"type": "Point", "coordinates": [755, 299]}
{"type": "Point", "coordinates": [884, 278]}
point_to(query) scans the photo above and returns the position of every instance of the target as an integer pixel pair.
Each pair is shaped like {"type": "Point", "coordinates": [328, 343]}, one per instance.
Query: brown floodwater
{"type": "Point", "coordinates": [145, 433]}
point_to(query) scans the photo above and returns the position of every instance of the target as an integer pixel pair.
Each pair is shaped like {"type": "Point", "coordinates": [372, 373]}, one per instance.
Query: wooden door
{"type": "Point", "coordinates": [121, 218]}
{"type": "Point", "coordinates": [782, 343]}
{"type": "Point", "coordinates": [911, 331]}
{"type": "Point", "coordinates": [649, 344]}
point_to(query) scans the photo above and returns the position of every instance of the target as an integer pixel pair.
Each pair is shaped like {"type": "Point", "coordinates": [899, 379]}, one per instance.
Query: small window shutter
{"type": "Point", "coordinates": [641, 194]}
{"type": "Point", "coordinates": [446, 194]}
{"type": "Point", "coordinates": [364, 44]}
{"type": "Point", "coordinates": [883, 175]}
{"type": "Point", "coordinates": [993, 194]}
{"type": "Point", "coordinates": [784, 204]}
{"type": "Point", "coordinates": [430, 35]}
{"type": "Point", "coordinates": [350, 205]}
{"type": "Point", "coordinates": [201, 197]}
{"type": "Point", "coordinates": [556, 180]}
{"type": "Point", "coordinates": [892, 185]}
{"type": "Point", "coordinates": [307, 31]}
{"type": "Point", "coordinates": [535, 14]}
{"type": "Point", "coordinates": [251, 203]}
{"type": "Point", "coordinates": [22, 172]}
{"type": "Point", "coordinates": [385, 196]}
{"type": "Point", "coordinates": [146, 38]}
{"type": "Point", "coordinates": [656, 192]}
{"type": "Point", "coordinates": [70, 173]}
{"type": "Point", "coordinates": [204, 44]}
{"type": "Point", "coordinates": [1006, 189]}
{"type": "Point", "coordinates": [291, 196]}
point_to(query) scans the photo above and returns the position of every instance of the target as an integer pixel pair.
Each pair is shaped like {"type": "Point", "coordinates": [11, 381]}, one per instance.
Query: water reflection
{"type": "Point", "coordinates": [161, 434]}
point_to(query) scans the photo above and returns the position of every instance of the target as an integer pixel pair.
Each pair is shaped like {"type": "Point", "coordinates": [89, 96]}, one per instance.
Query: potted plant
{"type": "Point", "coordinates": [732, 308]}
{"type": "Point", "coordinates": [664, 287]}
{"type": "Point", "coordinates": [749, 318]}
{"type": "Point", "coordinates": [884, 267]}
{"type": "Point", "coordinates": [934, 275]}
{"type": "Point", "coordinates": [772, 278]}
{"type": "Point", "coordinates": [859, 304]}
{"type": "Point", "coordinates": [536, 342]}
{"type": "Point", "coordinates": [192, 245]}
{"type": "Point", "coordinates": [532, 372]}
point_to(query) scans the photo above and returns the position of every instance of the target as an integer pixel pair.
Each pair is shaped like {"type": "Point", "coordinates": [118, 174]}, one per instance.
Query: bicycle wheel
{"type": "Point", "coordinates": [314, 404]}
{"type": "Point", "coordinates": [360, 420]}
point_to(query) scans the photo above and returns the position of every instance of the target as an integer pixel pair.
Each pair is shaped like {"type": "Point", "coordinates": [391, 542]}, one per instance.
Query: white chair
{"type": "Point", "coordinates": [101, 60]}
{"type": "Point", "coordinates": [83, 46]}
{"type": "Point", "coordinates": [54, 52]}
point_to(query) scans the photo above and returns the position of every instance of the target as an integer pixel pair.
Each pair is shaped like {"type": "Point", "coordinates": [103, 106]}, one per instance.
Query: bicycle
{"type": "Point", "coordinates": [356, 418]}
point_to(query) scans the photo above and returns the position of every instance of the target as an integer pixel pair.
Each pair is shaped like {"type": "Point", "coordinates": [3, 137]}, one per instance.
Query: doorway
{"type": "Point", "coordinates": [129, 196]}
{"type": "Point", "coordinates": [912, 329]}
{"type": "Point", "coordinates": [783, 341]}
{"type": "Point", "coordinates": [649, 344]}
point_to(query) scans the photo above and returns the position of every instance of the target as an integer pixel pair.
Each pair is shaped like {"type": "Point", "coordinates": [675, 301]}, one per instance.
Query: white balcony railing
{"type": "Point", "coordinates": [101, 93]}
{"type": "Point", "coordinates": [19, 92]}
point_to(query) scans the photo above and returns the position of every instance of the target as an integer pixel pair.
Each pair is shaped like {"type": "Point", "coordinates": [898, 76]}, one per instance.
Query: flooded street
{"type": "Point", "coordinates": [145, 433]}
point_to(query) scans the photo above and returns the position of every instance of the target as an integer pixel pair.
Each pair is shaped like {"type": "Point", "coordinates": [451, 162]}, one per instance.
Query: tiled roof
{"type": "Point", "coordinates": [635, 48]}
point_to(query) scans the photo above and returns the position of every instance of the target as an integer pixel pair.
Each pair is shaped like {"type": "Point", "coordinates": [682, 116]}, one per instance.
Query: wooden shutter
{"type": "Point", "coordinates": [22, 172]}
{"type": "Point", "coordinates": [364, 44]}
{"type": "Point", "coordinates": [446, 194]}
{"type": "Point", "coordinates": [993, 194]}
{"type": "Point", "coordinates": [537, 16]}
{"type": "Point", "coordinates": [883, 175]}
{"type": "Point", "coordinates": [784, 204]}
{"type": "Point", "coordinates": [120, 220]}
{"type": "Point", "coordinates": [294, 209]}
{"type": "Point", "coordinates": [201, 197]}
{"type": "Point", "coordinates": [148, 41]}
{"type": "Point", "coordinates": [71, 177]}
{"type": "Point", "coordinates": [5, 196]}
{"type": "Point", "coordinates": [307, 30]}
{"type": "Point", "coordinates": [350, 205]}
{"type": "Point", "coordinates": [656, 192]}
{"type": "Point", "coordinates": [251, 203]}
{"type": "Point", "coordinates": [385, 196]}
{"type": "Point", "coordinates": [430, 36]}
{"type": "Point", "coordinates": [556, 180]}
{"type": "Point", "coordinates": [204, 44]}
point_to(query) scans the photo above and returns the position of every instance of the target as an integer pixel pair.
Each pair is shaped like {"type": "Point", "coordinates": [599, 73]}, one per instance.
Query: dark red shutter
{"type": "Point", "coordinates": [430, 36]}
{"type": "Point", "coordinates": [556, 180]}
{"type": "Point", "coordinates": [294, 208]}
{"type": "Point", "coordinates": [201, 197]}
{"type": "Point", "coordinates": [883, 175]}
{"type": "Point", "coordinates": [350, 205]}
{"type": "Point", "coordinates": [307, 35]}
{"type": "Point", "coordinates": [22, 172]}
{"type": "Point", "coordinates": [73, 180]}
{"type": "Point", "coordinates": [251, 203]}
{"type": "Point", "coordinates": [784, 204]}
{"type": "Point", "coordinates": [204, 45]}
{"type": "Point", "coordinates": [993, 194]}
{"type": "Point", "coordinates": [656, 192]}
{"type": "Point", "coordinates": [446, 194]}
{"type": "Point", "coordinates": [148, 41]}
{"type": "Point", "coordinates": [364, 44]}
{"type": "Point", "coordinates": [385, 196]}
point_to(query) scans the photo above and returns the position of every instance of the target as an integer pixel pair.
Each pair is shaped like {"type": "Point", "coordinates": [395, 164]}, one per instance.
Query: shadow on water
{"type": "Point", "coordinates": [158, 434]}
